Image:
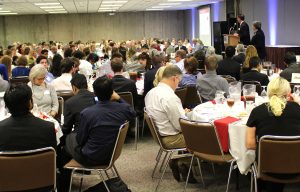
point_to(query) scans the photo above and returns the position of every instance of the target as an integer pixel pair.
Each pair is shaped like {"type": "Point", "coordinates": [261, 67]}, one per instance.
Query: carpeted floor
{"type": "Point", "coordinates": [135, 168]}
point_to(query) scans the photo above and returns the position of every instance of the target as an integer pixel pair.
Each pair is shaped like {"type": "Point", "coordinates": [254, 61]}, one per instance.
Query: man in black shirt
{"type": "Point", "coordinates": [228, 66]}
{"type": "Point", "coordinates": [292, 66]}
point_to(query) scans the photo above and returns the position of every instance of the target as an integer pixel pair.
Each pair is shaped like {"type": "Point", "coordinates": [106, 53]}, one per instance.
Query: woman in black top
{"type": "Point", "coordinates": [279, 116]}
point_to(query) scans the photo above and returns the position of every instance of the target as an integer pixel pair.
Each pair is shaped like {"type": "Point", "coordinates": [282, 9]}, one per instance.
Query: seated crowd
{"type": "Point", "coordinates": [97, 72]}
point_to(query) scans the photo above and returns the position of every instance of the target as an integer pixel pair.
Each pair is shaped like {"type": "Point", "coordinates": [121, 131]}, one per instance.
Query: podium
{"type": "Point", "coordinates": [231, 40]}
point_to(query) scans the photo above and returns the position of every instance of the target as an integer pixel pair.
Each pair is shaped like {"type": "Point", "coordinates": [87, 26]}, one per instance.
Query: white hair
{"type": "Point", "coordinates": [36, 71]}
{"type": "Point", "coordinates": [210, 51]}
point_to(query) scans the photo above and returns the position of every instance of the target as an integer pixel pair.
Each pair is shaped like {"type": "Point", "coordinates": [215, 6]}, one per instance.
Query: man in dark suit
{"type": "Point", "coordinates": [82, 99]}
{"type": "Point", "coordinates": [292, 66]}
{"type": "Point", "coordinates": [150, 75]}
{"type": "Point", "coordinates": [243, 31]}
{"type": "Point", "coordinates": [258, 40]}
{"type": "Point", "coordinates": [119, 82]}
{"type": "Point", "coordinates": [254, 74]}
{"type": "Point", "coordinates": [181, 47]}
{"type": "Point", "coordinates": [240, 57]}
{"type": "Point", "coordinates": [23, 131]}
{"type": "Point", "coordinates": [228, 66]}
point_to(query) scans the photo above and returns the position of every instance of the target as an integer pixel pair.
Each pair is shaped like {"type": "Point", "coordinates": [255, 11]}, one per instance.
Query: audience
{"type": "Point", "coordinates": [82, 99]}
{"type": "Point", "coordinates": [21, 69]}
{"type": "Point", "coordinates": [228, 66]}
{"type": "Point", "coordinates": [7, 61]}
{"type": "Point", "coordinates": [254, 74]}
{"type": "Point", "coordinates": [23, 131]}
{"type": "Point", "coordinates": [258, 40]}
{"type": "Point", "coordinates": [4, 85]}
{"type": "Point", "coordinates": [3, 72]}
{"type": "Point", "coordinates": [55, 68]}
{"type": "Point", "coordinates": [250, 52]}
{"type": "Point", "coordinates": [64, 81]}
{"type": "Point", "coordinates": [292, 66]}
{"type": "Point", "coordinates": [181, 47]}
{"type": "Point", "coordinates": [240, 57]}
{"type": "Point", "coordinates": [44, 94]}
{"type": "Point", "coordinates": [179, 58]}
{"type": "Point", "coordinates": [157, 62]}
{"type": "Point", "coordinates": [44, 61]}
{"type": "Point", "coordinates": [210, 82]}
{"type": "Point", "coordinates": [119, 82]}
{"type": "Point", "coordinates": [145, 60]}
{"type": "Point", "coordinates": [278, 116]}
{"type": "Point", "coordinates": [191, 75]}
{"type": "Point", "coordinates": [211, 52]}
{"type": "Point", "coordinates": [85, 67]}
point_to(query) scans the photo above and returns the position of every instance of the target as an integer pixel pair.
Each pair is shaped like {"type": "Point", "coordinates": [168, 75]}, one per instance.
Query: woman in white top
{"type": "Point", "coordinates": [43, 94]}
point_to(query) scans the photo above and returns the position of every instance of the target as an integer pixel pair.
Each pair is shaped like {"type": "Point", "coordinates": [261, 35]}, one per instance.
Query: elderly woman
{"type": "Point", "coordinates": [279, 116]}
{"type": "Point", "coordinates": [43, 94]}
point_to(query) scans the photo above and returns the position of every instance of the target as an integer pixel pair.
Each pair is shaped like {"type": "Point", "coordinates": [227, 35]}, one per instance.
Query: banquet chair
{"type": "Point", "coordinates": [181, 93]}
{"type": "Point", "coordinates": [256, 83]}
{"type": "Point", "coordinates": [60, 115]}
{"type": "Point", "coordinates": [75, 166]}
{"type": "Point", "coordinates": [65, 94]}
{"type": "Point", "coordinates": [168, 151]}
{"type": "Point", "coordinates": [271, 164]}
{"type": "Point", "coordinates": [14, 81]}
{"type": "Point", "coordinates": [192, 98]}
{"type": "Point", "coordinates": [127, 96]}
{"type": "Point", "coordinates": [28, 170]}
{"type": "Point", "coordinates": [196, 136]}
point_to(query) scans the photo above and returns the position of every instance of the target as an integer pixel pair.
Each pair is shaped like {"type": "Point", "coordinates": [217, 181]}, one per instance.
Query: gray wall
{"type": "Point", "coordinates": [122, 26]}
{"type": "Point", "coordinates": [286, 18]}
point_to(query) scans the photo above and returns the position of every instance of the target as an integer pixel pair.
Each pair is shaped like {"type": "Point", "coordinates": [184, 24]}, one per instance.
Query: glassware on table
{"type": "Point", "coordinates": [249, 106]}
{"type": "Point", "coordinates": [297, 90]}
{"type": "Point", "coordinates": [230, 101]}
{"type": "Point", "coordinates": [219, 97]}
{"type": "Point", "coordinates": [249, 92]}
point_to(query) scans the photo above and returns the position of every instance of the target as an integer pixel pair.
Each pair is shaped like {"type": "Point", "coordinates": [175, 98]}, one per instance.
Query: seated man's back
{"type": "Point", "coordinates": [228, 66]}
{"type": "Point", "coordinates": [23, 131]}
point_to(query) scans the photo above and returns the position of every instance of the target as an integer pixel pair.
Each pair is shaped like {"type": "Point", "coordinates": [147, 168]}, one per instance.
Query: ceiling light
{"type": "Point", "coordinates": [53, 12]}
{"type": "Point", "coordinates": [159, 7]}
{"type": "Point", "coordinates": [41, 4]}
{"type": "Point", "coordinates": [169, 3]}
{"type": "Point", "coordinates": [105, 8]}
{"type": "Point", "coordinates": [116, 2]}
{"type": "Point", "coordinates": [111, 5]}
{"type": "Point", "coordinates": [52, 7]}
{"type": "Point", "coordinates": [5, 11]}
{"type": "Point", "coordinates": [179, 0]}
{"type": "Point", "coordinates": [110, 10]}
{"type": "Point", "coordinates": [151, 9]}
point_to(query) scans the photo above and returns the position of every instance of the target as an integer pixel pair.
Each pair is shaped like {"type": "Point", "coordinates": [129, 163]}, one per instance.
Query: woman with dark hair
{"type": "Point", "coordinates": [93, 58]}
{"type": "Point", "coordinates": [191, 75]}
{"type": "Point", "coordinates": [145, 60]}
{"type": "Point", "coordinates": [56, 65]}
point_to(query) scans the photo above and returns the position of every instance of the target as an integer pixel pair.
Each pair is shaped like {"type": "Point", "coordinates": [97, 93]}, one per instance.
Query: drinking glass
{"type": "Point", "coordinates": [230, 102]}
{"type": "Point", "coordinates": [264, 94]}
{"type": "Point", "coordinates": [297, 90]}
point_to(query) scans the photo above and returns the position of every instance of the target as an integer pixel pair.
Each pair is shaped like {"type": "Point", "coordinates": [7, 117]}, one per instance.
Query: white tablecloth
{"type": "Point", "coordinates": [237, 130]}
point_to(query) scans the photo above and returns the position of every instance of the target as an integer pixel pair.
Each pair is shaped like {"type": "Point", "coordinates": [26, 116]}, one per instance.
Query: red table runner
{"type": "Point", "coordinates": [222, 130]}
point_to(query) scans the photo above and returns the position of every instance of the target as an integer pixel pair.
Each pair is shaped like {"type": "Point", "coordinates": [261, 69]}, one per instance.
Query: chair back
{"type": "Point", "coordinates": [14, 81]}
{"type": "Point", "coordinates": [256, 83]}
{"type": "Point", "coordinates": [28, 170]}
{"type": "Point", "coordinates": [201, 137]}
{"type": "Point", "coordinates": [202, 70]}
{"type": "Point", "coordinates": [229, 78]}
{"type": "Point", "coordinates": [119, 143]}
{"type": "Point", "coordinates": [65, 94]}
{"type": "Point", "coordinates": [127, 96]}
{"type": "Point", "coordinates": [152, 128]}
{"type": "Point", "coordinates": [279, 155]}
{"type": "Point", "coordinates": [192, 98]}
{"type": "Point", "coordinates": [60, 108]}
{"type": "Point", "coordinates": [181, 93]}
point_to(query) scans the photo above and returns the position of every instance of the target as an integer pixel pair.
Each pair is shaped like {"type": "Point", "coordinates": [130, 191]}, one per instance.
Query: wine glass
{"type": "Point", "coordinates": [230, 102]}
{"type": "Point", "coordinates": [264, 94]}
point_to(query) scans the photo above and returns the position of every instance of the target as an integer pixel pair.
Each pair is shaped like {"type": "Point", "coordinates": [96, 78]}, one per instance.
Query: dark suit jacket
{"type": "Point", "coordinates": [230, 67]}
{"type": "Point", "coordinates": [26, 133]}
{"type": "Point", "coordinates": [258, 40]}
{"type": "Point", "coordinates": [254, 75]}
{"type": "Point", "coordinates": [244, 33]}
{"type": "Point", "coordinates": [181, 48]}
{"type": "Point", "coordinates": [287, 73]}
{"type": "Point", "coordinates": [148, 80]}
{"type": "Point", "coordinates": [240, 58]}
{"type": "Point", "coordinates": [122, 84]}
{"type": "Point", "coordinates": [74, 106]}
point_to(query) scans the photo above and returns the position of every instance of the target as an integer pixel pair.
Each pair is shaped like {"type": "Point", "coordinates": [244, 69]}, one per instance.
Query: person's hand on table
{"type": "Point", "coordinates": [52, 113]}
{"type": "Point", "coordinates": [115, 97]}
{"type": "Point", "coordinates": [187, 110]}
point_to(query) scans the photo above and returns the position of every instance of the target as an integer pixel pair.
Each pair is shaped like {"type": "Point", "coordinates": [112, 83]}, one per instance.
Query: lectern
{"type": "Point", "coordinates": [231, 40]}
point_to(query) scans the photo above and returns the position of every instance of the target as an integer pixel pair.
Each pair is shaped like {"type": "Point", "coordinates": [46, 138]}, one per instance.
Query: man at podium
{"type": "Point", "coordinates": [243, 31]}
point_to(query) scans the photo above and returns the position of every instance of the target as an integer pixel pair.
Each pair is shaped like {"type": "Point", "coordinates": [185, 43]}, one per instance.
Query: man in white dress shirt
{"type": "Point", "coordinates": [163, 105]}
{"type": "Point", "coordinates": [64, 81]}
{"type": "Point", "coordinates": [179, 58]}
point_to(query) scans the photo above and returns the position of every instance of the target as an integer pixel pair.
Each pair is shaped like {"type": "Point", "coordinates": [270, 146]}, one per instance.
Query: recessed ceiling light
{"type": "Point", "coordinates": [179, 0]}
{"type": "Point", "coordinates": [151, 9]}
{"type": "Point", "coordinates": [116, 2]}
{"type": "Point", "coordinates": [53, 12]}
{"type": "Point", "coordinates": [52, 7]}
{"type": "Point", "coordinates": [110, 10]}
{"type": "Point", "coordinates": [169, 3]}
{"type": "Point", "coordinates": [105, 8]}
{"type": "Point", "coordinates": [5, 11]}
{"type": "Point", "coordinates": [159, 7]}
{"type": "Point", "coordinates": [41, 4]}
{"type": "Point", "coordinates": [111, 5]}
{"type": "Point", "coordinates": [8, 13]}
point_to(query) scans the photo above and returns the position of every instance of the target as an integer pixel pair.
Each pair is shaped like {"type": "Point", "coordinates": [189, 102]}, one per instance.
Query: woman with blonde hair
{"type": "Point", "coordinates": [43, 94]}
{"type": "Point", "coordinates": [250, 52]}
{"type": "Point", "coordinates": [280, 116]}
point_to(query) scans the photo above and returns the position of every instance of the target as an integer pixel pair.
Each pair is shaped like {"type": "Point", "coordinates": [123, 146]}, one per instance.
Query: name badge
{"type": "Point", "coordinates": [47, 92]}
